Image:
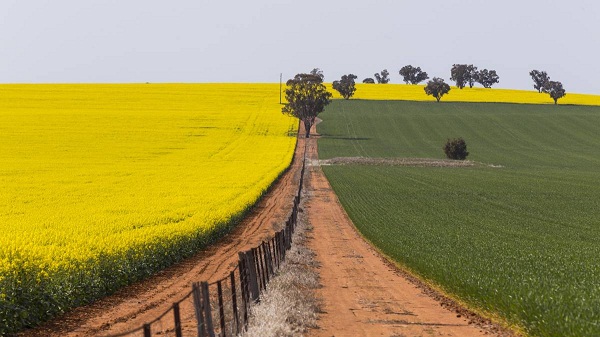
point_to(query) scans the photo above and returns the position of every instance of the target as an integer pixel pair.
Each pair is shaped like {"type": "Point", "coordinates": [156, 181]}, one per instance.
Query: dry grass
{"type": "Point", "coordinates": [289, 307]}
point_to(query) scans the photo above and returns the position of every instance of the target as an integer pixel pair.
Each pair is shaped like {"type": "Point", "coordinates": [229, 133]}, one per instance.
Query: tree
{"type": "Point", "coordinates": [383, 78]}
{"type": "Point", "coordinates": [369, 80]}
{"type": "Point", "coordinates": [540, 80]}
{"type": "Point", "coordinates": [487, 78]}
{"type": "Point", "coordinates": [458, 74]}
{"type": "Point", "coordinates": [437, 88]}
{"type": "Point", "coordinates": [456, 149]}
{"type": "Point", "coordinates": [555, 90]}
{"type": "Point", "coordinates": [463, 74]}
{"type": "Point", "coordinates": [471, 75]}
{"type": "Point", "coordinates": [413, 75]}
{"type": "Point", "coordinates": [345, 86]}
{"type": "Point", "coordinates": [307, 97]}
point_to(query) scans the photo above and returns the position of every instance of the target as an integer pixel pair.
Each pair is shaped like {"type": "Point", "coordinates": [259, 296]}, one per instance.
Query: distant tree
{"type": "Point", "coordinates": [555, 90]}
{"type": "Point", "coordinates": [463, 74]}
{"type": "Point", "coordinates": [487, 78]}
{"type": "Point", "coordinates": [369, 80]}
{"type": "Point", "coordinates": [345, 86]}
{"type": "Point", "coordinates": [307, 97]}
{"type": "Point", "coordinates": [437, 88]}
{"type": "Point", "coordinates": [382, 77]}
{"type": "Point", "coordinates": [459, 73]}
{"type": "Point", "coordinates": [471, 75]}
{"type": "Point", "coordinates": [540, 79]}
{"type": "Point", "coordinates": [456, 149]}
{"type": "Point", "coordinates": [413, 75]}
{"type": "Point", "coordinates": [318, 72]}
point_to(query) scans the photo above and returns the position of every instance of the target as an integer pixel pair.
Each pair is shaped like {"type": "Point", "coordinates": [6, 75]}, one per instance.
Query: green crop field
{"type": "Point", "coordinates": [517, 235]}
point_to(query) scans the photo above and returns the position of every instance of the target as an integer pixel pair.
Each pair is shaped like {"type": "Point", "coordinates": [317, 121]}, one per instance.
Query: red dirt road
{"type": "Point", "coordinates": [135, 305]}
{"type": "Point", "coordinates": [363, 295]}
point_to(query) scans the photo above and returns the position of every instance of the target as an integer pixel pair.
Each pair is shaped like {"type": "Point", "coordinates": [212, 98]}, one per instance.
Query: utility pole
{"type": "Point", "coordinates": [280, 79]}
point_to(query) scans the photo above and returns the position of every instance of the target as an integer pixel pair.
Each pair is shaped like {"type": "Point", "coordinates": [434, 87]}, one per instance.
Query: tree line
{"type": "Point", "coordinates": [307, 96]}
{"type": "Point", "coordinates": [461, 74]}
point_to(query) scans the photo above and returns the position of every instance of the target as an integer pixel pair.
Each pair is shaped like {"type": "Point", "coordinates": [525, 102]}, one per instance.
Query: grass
{"type": "Point", "coordinates": [519, 240]}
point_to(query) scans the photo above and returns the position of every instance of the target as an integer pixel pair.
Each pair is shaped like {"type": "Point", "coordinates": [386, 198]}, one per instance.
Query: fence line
{"type": "Point", "coordinates": [224, 311]}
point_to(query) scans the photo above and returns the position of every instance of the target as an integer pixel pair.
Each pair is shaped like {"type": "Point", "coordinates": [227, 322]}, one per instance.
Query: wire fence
{"type": "Point", "coordinates": [222, 308]}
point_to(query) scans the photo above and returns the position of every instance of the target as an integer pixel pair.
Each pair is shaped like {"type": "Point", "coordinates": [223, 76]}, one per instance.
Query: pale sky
{"type": "Point", "coordinates": [254, 41]}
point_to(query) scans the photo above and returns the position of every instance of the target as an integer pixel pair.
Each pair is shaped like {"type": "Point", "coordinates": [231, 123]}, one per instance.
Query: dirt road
{"type": "Point", "coordinates": [142, 302]}
{"type": "Point", "coordinates": [363, 294]}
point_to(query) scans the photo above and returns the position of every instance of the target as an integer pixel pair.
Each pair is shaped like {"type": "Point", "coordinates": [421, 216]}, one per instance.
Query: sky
{"type": "Point", "coordinates": [132, 41]}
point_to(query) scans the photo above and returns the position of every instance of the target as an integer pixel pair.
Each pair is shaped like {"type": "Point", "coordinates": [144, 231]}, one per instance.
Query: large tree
{"type": "Point", "coordinates": [346, 86]}
{"type": "Point", "coordinates": [555, 90]}
{"type": "Point", "coordinates": [382, 77]}
{"type": "Point", "coordinates": [463, 74]}
{"type": "Point", "coordinates": [306, 98]}
{"type": "Point", "coordinates": [437, 88]}
{"type": "Point", "coordinates": [487, 78]}
{"type": "Point", "coordinates": [413, 75]}
{"type": "Point", "coordinates": [540, 79]}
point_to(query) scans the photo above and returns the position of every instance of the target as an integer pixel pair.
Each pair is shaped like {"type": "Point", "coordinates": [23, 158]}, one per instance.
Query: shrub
{"type": "Point", "coordinates": [456, 149]}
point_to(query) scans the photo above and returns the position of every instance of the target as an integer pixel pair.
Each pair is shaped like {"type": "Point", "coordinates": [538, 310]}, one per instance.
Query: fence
{"type": "Point", "coordinates": [221, 308]}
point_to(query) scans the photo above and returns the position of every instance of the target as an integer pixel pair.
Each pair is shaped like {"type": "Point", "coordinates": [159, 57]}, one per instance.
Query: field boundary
{"type": "Point", "coordinates": [221, 308]}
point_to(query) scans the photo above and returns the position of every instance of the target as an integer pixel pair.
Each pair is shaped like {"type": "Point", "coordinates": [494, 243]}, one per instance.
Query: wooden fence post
{"type": "Point", "coordinates": [177, 319]}
{"type": "Point", "coordinates": [275, 253]}
{"type": "Point", "coordinates": [282, 244]}
{"type": "Point", "coordinates": [221, 309]}
{"type": "Point", "coordinates": [198, 309]}
{"type": "Point", "coordinates": [279, 253]}
{"type": "Point", "coordinates": [244, 285]}
{"type": "Point", "coordinates": [259, 267]}
{"type": "Point", "coordinates": [253, 278]}
{"type": "Point", "coordinates": [207, 313]}
{"type": "Point", "coordinates": [266, 262]}
{"type": "Point", "coordinates": [259, 271]}
{"type": "Point", "coordinates": [263, 265]}
{"type": "Point", "coordinates": [234, 302]}
{"type": "Point", "coordinates": [275, 256]}
{"type": "Point", "coordinates": [147, 332]}
{"type": "Point", "coordinates": [269, 258]}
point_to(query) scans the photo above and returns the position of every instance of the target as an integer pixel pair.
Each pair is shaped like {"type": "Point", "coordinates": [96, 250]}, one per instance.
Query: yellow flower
{"type": "Point", "coordinates": [104, 176]}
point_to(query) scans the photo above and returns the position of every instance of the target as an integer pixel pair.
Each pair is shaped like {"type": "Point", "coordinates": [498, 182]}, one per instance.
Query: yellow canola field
{"type": "Point", "coordinates": [408, 92]}
{"type": "Point", "coordinates": [103, 184]}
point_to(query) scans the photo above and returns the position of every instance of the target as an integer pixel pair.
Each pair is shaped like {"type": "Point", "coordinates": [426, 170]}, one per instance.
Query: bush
{"type": "Point", "coordinates": [456, 149]}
